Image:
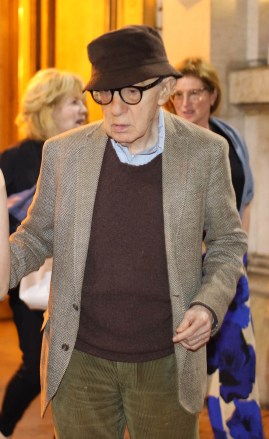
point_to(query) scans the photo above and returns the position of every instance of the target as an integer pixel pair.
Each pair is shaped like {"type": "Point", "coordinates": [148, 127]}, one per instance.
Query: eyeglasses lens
{"type": "Point", "coordinates": [102, 97]}
{"type": "Point", "coordinates": [192, 95]}
{"type": "Point", "coordinates": [131, 95]}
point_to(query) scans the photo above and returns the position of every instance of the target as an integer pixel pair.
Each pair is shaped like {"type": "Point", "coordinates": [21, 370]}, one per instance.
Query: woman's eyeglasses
{"type": "Point", "coordinates": [194, 95]}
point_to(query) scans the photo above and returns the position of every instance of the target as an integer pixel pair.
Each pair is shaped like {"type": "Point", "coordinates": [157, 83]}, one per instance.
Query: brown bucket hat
{"type": "Point", "coordinates": [127, 56]}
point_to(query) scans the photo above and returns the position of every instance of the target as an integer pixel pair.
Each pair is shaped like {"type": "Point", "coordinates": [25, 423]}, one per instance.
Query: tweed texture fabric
{"type": "Point", "coordinates": [197, 196]}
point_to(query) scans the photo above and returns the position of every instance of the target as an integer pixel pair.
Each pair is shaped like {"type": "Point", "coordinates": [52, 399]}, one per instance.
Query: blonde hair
{"type": "Point", "coordinates": [205, 71]}
{"type": "Point", "coordinates": [45, 90]}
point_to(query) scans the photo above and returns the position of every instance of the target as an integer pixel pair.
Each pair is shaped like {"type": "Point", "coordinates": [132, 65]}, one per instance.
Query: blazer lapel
{"type": "Point", "coordinates": [175, 169]}
{"type": "Point", "coordinates": [88, 161]}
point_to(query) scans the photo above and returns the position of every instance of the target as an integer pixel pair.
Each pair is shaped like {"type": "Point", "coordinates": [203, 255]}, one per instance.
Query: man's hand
{"type": "Point", "coordinates": [195, 329]}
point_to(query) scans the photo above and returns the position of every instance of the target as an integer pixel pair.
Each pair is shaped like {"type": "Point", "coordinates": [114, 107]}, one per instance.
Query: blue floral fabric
{"type": "Point", "coordinates": [232, 394]}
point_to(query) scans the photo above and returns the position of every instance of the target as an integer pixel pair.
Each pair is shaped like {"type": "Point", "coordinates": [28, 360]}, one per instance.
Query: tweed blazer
{"type": "Point", "coordinates": [197, 197]}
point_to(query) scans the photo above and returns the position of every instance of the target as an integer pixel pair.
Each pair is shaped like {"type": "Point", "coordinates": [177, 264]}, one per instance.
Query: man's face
{"type": "Point", "coordinates": [134, 126]}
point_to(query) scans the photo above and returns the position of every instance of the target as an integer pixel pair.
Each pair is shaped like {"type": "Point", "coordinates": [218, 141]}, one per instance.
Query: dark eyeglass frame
{"type": "Point", "coordinates": [141, 89]}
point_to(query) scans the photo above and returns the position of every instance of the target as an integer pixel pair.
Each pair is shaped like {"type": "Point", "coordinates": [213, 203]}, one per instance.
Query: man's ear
{"type": "Point", "coordinates": [168, 88]}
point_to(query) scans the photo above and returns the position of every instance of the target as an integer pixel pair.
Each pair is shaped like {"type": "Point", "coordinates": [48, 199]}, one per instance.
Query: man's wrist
{"type": "Point", "coordinates": [214, 319]}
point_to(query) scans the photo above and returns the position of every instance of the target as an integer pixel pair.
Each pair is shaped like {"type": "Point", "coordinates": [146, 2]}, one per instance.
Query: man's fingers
{"type": "Point", "coordinates": [196, 343]}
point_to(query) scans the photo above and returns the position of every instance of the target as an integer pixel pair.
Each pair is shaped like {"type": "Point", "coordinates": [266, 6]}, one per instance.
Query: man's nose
{"type": "Point", "coordinates": [117, 104]}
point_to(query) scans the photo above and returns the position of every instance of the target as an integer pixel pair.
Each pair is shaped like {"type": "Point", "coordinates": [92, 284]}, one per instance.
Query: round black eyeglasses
{"type": "Point", "coordinates": [131, 95]}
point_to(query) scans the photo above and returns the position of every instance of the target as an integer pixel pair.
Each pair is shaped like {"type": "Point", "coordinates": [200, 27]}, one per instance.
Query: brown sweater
{"type": "Point", "coordinates": [126, 310]}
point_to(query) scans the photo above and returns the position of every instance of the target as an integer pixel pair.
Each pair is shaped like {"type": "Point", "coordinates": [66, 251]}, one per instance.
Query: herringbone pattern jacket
{"type": "Point", "coordinates": [197, 197]}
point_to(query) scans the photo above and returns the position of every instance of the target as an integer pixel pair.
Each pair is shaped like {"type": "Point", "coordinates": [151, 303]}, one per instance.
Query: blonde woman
{"type": "Point", "coordinates": [53, 103]}
{"type": "Point", "coordinates": [4, 254]}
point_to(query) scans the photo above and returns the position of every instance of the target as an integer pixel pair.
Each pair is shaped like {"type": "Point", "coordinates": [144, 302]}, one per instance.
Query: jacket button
{"type": "Point", "coordinates": [75, 306]}
{"type": "Point", "coordinates": [65, 347]}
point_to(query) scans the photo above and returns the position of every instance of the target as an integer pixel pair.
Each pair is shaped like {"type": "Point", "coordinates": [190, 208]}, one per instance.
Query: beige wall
{"type": "Point", "coordinates": [186, 28]}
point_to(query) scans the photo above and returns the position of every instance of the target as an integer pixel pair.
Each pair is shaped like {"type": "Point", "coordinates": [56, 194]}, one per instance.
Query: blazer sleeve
{"type": "Point", "coordinates": [225, 240]}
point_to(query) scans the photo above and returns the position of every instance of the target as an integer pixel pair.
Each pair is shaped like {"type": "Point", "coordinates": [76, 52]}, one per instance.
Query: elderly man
{"type": "Point", "coordinates": [122, 205]}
